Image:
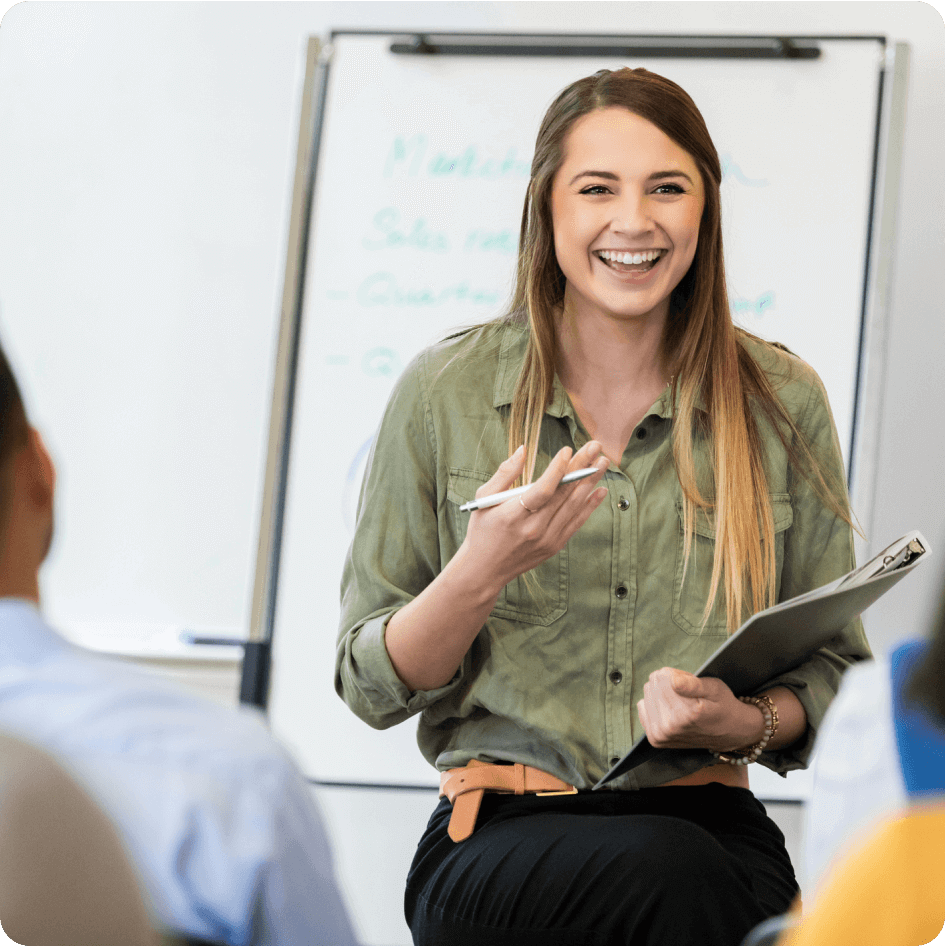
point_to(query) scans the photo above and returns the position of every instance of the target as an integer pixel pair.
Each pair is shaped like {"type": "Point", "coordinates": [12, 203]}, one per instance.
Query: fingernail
{"type": "Point", "coordinates": [519, 450]}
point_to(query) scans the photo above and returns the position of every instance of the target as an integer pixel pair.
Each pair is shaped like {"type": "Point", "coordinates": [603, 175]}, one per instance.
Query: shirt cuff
{"type": "Point", "coordinates": [797, 754]}
{"type": "Point", "coordinates": [392, 701]}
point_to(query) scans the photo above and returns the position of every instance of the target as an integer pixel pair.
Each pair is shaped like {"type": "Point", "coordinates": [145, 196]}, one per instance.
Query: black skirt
{"type": "Point", "coordinates": [669, 866]}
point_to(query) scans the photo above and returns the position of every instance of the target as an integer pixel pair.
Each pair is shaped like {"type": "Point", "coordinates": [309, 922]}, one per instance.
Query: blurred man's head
{"type": "Point", "coordinates": [27, 482]}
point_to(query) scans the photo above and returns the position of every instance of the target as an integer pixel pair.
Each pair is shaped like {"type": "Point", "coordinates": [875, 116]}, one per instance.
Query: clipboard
{"type": "Point", "coordinates": [783, 636]}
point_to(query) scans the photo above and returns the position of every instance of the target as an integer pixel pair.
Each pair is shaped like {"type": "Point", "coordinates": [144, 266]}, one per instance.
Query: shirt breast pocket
{"type": "Point", "coordinates": [690, 596]}
{"type": "Point", "coordinates": [538, 597]}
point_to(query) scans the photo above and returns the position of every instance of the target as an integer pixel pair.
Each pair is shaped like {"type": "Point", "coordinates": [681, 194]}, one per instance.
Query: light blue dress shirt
{"type": "Point", "coordinates": [221, 824]}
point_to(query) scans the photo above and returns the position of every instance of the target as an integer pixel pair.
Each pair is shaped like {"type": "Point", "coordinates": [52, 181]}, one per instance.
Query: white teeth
{"type": "Point", "coordinates": [627, 258]}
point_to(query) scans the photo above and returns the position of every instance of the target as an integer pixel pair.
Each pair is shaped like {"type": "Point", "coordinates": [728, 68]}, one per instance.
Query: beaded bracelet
{"type": "Point", "coordinates": [746, 756]}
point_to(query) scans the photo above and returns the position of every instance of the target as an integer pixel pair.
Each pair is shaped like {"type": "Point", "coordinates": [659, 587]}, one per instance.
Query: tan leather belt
{"type": "Point", "coordinates": [465, 787]}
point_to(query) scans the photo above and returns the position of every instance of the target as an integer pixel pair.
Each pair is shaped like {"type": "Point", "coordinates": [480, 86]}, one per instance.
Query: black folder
{"type": "Point", "coordinates": [783, 636]}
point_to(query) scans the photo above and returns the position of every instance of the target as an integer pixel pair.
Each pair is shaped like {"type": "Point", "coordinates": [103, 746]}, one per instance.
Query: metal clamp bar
{"type": "Point", "coordinates": [670, 47]}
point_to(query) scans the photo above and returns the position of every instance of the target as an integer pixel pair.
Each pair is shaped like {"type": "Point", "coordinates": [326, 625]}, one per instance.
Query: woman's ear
{"type": "Point", "coordinates": [42, 470]}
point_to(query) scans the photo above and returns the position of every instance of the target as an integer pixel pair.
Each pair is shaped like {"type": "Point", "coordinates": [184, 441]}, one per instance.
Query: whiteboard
{"type": "Point", "coordinates": [422, 169]}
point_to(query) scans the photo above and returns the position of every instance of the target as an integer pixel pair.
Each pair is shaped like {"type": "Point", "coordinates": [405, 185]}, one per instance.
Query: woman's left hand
{"type": "Point", "coordinates": [682, 711]}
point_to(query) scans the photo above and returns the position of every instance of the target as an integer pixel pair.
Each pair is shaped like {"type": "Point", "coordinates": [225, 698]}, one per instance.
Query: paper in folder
{"type": "Point", "coordinates": [782, 637]}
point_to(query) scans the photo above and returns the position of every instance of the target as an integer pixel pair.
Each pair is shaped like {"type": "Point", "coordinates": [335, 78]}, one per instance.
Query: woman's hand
{"type": "Point", "coordinates": [504, 541]}
{"type": "Point", "coordinates": [683, 711]}
{"type": "Point", "coordinates": [427, 638]}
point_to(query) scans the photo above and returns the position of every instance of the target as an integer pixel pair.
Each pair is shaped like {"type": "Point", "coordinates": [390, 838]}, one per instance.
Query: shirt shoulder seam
{"type": "Point", "coordinates": [425, 400]}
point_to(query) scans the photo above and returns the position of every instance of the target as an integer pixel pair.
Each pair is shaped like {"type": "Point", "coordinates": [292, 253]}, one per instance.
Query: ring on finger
{"type": "Point", "coordinates": [522, 501]}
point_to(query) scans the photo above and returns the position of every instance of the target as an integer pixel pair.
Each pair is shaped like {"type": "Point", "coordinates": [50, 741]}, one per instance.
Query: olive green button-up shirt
{"type": "Point", "coordinates": [553, 678]}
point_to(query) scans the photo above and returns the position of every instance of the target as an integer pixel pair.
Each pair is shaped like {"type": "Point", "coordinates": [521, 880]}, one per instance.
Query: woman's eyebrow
{"type": "Point", "coordinates": [606, 175]}
{"type": "Point", "coordinates": [660, 175]}
{"type": "Point", "coordinates": [609, 176]}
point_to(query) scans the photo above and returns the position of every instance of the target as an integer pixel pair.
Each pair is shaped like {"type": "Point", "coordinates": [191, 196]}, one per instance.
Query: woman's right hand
{"type": "Point", "coordinates": [504, 541]}
{"type": "Point", "coordinates": [428, 637]}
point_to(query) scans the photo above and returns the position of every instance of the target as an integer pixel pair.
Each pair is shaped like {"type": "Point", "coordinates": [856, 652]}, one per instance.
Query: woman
{"type": "Point", "coordinates": [527, 634]}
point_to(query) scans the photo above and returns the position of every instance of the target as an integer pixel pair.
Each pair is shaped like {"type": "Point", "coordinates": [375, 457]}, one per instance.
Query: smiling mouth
{"type": "Point", "coordinates": [641, 262]}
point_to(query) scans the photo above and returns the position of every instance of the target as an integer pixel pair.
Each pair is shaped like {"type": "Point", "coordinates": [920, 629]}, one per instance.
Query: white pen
{"type": "Point", "coordinates": [497, 498]}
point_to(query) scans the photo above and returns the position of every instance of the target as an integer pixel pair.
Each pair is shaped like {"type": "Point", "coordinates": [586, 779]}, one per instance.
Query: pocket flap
{"type": "Point", "coordinates": [781, 510]}
{"type": "Point", "coordinates": [461, 485]}
{"type": "Point", "coordinates": [521, 602]}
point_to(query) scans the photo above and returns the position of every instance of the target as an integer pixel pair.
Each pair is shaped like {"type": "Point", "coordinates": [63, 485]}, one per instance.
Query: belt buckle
{"type": "Point", "coordinates": [568, 791]}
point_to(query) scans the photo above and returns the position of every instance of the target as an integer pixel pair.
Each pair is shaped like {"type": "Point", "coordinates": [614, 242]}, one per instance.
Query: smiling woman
{"type": "Point", "coordinates": [624, 236]}
{"type": "Point", "coordinates": [539, 638]}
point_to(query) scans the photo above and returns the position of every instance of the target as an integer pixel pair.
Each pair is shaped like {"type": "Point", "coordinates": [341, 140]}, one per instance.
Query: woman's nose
{"type": "Point", "coordinates": [632, 215]}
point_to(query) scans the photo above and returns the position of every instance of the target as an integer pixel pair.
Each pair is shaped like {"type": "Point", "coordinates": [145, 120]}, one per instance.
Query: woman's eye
{"type": "Point", "coordinates": [669, 189]}
{"type": "Point", "coordinates": [595, 189]}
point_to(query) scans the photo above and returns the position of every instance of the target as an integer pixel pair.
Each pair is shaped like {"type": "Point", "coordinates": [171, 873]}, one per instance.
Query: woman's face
{"type": "Point", "coordinates": [624, 187]}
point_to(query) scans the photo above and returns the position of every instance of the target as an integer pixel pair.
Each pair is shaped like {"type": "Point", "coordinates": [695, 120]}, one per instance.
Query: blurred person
{"type": "Point", "coordinates": [218, 819]}
{"type": "Point", "coordinates": [881, 750]}
{"type": "Point", "coordinates": [875, 832]}
{"type": "Point", "coordinates": [889, 891]}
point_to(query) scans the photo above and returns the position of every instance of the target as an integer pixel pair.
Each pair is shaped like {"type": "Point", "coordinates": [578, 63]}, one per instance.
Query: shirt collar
{"type": "Point", "coordinates": [511, 357]}
{"type": "Point", "coordinates": [24, 636]}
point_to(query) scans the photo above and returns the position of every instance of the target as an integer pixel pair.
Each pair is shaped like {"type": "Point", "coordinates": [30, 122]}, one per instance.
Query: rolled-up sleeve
{"type": "Point", "coordinates": [394, 555]}
{"type": "Point", "coordinates": [818, 548]}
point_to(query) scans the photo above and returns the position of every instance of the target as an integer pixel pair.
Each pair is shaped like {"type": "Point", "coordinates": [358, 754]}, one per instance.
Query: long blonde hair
{"type": "Point", "coordinates": [701, 342]}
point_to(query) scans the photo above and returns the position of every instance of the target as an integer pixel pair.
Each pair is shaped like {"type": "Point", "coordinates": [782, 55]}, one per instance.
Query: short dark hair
{"type": "Point", "coordinates": [14, 432]}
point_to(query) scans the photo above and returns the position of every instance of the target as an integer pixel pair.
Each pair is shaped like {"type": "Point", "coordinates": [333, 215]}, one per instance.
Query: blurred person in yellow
{"type": "Point", "coordinates": [888, 892]}
{"type": "Point", "coordinates": [877, 820]}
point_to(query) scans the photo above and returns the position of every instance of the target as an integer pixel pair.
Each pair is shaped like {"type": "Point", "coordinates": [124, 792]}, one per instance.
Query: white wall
{"type": "Point", "coordinates": [147, 153]}
{"type": "Point", "coordinates": [125, 127]}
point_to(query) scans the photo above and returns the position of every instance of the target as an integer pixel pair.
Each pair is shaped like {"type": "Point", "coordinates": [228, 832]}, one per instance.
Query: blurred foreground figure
{"type": "Point", "coordinates": [876, 827]}
{"type": "Point", "coordinates": [888, 892]}
{"type": "Point", "coordinates": [65, 877]}
{"type": "Point", "coordinates": [217, 818]}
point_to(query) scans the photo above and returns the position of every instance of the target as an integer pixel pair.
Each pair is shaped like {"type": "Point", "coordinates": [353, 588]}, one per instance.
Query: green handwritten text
{"type": "Point", "coordinates": [757, 306]}
{"type": "Point", "coordinates": [392, 233]}
{"type": "Point", "coordinates": [495, 241]}
{"type": "Point", "coordinates": [383, 289]}
{"type": "Point", "coordinates": [412, 155]}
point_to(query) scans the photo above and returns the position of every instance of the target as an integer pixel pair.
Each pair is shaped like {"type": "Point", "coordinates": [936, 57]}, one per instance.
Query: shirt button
{"type": "Point", "coordinates": [641, 433]}
{"type": "Point", "coordinates": [621, 591]}
{"type": "Point", "coordinates": [615, 677]}
{"type": "Point", "coordinates": [623, 504]}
